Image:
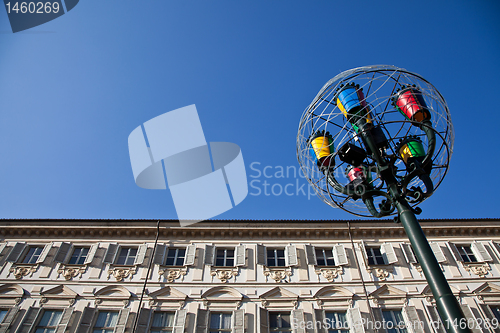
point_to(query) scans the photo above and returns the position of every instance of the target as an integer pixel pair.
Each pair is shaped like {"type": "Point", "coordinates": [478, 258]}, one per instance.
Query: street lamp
{"type": "Point", "coordinates": [393, 136]}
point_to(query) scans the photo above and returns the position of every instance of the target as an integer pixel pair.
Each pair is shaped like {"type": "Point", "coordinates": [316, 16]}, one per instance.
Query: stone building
{"type": "Point", "coordinates": [241, 276]}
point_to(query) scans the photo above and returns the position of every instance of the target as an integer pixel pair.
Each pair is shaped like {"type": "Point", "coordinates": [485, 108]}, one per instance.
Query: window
{"type": "Point", "coordinates": [3, 313]}
{"type": "Point", "coordinates": [79, 256]}
{"type": "Point", "coordinates": [466, 253]}
{"type": "Point", "coordinates": [279, 322]}
{"type": "Point", "coordinates": [394, 321]}
{"type": "Point", "coordinates": [324, 257]}
{"type": "Point", "coordinates": [224, 257]}
{"type": "Point", "coordinates": [127, 256]}
{"type": "Point", "coordinates": [163, 322]}
{"type": "Point", "coordinates": [220, 322]}
{"type": "Point", "coordinates": [32, 255]}
{"type": "Point", "coordinates": [337, 322]}
{"type": "Point", "coordinates": [374, 256]}
{"type": "Point", "coordinates": [106, 322]}
{"type": "Point", "coordinates": [175, 257]}
{"type": "Point", "coordinates": [49, 322]}
{"type": "Point", "coordinates": [496, 311]}
{"type": "Point", "coordinates": [276, 258]}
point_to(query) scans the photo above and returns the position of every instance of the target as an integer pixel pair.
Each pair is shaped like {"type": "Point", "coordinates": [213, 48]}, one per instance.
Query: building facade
{"type": "Point", "coordinates": [241, 276]}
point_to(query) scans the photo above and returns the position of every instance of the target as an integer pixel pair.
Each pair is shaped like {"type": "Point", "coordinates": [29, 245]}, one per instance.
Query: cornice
{"type": "Point", "coordinates": [237, 230]}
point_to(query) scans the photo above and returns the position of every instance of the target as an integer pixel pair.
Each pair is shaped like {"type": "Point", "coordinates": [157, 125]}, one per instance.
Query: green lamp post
{"type": "Point", "coordinates": [394, 139]}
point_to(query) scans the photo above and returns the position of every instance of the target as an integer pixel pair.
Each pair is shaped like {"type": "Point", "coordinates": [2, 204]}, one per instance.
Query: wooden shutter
{"type": "Point", "coordinates": [161, 250]}
{"type": "Point", "coordinates": [319, 317]}
{"type": "Point", "coordinates": [298, 317]}
{"type": "Point", "coordinates": [86, 320]}
{"type": "Point", "coordinates": [239, 321]}
{"type": "Point", "coordinates": [16, 252]}
{"type": "Point", "coordinates": [438, 253]}
{"type": "Point", "coordinates": [29, 321]}
{"type": "Point", "coordinates": [65, 318]}
{"type": "Point", "coordinates": [264, 320]}
{"type": "Point", "coordinates": [190, 255]}
{"type": "Point", "coordinates": [291, 256]}
{"type": "Point", "coordinates": [435, 322]}
{"type": "Point", "coordinates": [413, 322]}
{"type": "Point", "coordinates": [62, 252]}
{"type": "Point", "coordinates": [311, 255]}
{"type": "Point", "coordinates": [209, 255]}
{"type": "Point", "coordinates": [355, 321]}
{"type": "Point", "coordinates": [379, 318]}
{"type": "Point", "coordinates": [490, 316]}
{"type": "Point", "coordinates": [8, 319]}
{"type": "Point", "coordinates": [141, 254]}
{"type": "Point", "coordinates": [241, 256]}
{"type": "Point", "coordinates": [261, 254]}
{"type": "Point", "coordinates": [340, 255]}
{"type": "Point", "coordinates": [202, 321]}
{"type": "Point", "coordinates": [180, 321]}
{"type": "Point", "coordinates": [454, 252]}
{"type": "Point", "coordinates": [44, 253]}
{"type": "Point", "coordinates": [480, 252]}
{"type": "Point", "coordinates": [388, 253]}
{"type": "Point", "coordinates": [408, 253]}
{"type": "Point", "coordinates": [109, 257]}
{"type": "Point", "coordinates": [91, 254]}
{"type": "Point", "coordinates": [363, 251]}
{"type": "Point", "coordinates": [143, 321]}
{"type": "Point", "coordinates": [473, 326]}
{"type": "Point", "coordinates": [122, 321]}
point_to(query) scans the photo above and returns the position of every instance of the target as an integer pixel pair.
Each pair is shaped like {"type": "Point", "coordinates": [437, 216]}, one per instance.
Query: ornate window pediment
{"type": "Point", "coordinates": [488, 292]}
{"type": "Point", "coordinates": [222, 297]}
{"type": "Point", "coordinates": [112, 296]}
{"type": "Point", "coordinates": [427, 292]}
{"type": "Point", "coordinates": [334, 296]}
{"type": "Point", "coordinates": [59, 295]}
{"type": "Point", "coordinates": [279, 297]}
{"type": "Point", "coordinates": [11, 294]}
{"type": "Point", "coordinates": [167, 297]}
{"type": "Point", "coordinates": [388, 295]}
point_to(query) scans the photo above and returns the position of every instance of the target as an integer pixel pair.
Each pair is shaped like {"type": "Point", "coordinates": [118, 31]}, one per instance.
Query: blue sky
{"type": "Point", "coordinates": [73, 89]}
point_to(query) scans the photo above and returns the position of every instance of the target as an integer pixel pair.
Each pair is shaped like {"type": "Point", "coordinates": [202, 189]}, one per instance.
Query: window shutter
{"type": "Point", "coordinates": [44, 253]}
{"type": "Point", "coordinates": [122, 321]}
{"type": "Point", "coordinates": [438, 253]}
{"type": "Point", "coordinates": [239, 321]}
{"type": "Point", "coordinates": [261, 254]}
{"type": "Point", "coordinates": [141, 254]}
{"type": "Point", "coordinates": [86, 320]}
{"type": "Point", "coordinates": [388, 253]}
{"type": "Point", "coordinates": [16, 252]}
{"type": "Point", "coordinates": [65, 318]}
{"type": "Point", "coordinates": [291, 255]}
{"type": "Point", "coordinates": [408, 252]}
{"type": "Point", "coordinates": [298, 317]}
{"type": "Point", "coordinates": [413, 322]}
{"type": "Point", "coordinates": [91, 254]}
{"type": "Point", "coordinates": [161, 250]}
{"type": "Point", "coordinates": [319, 315]}
{"type": "Point", "coordinates": [355, 321]}
{"type": "Point", "coordinates": [377, 313]}
{"type": "Point", "coordinates": [454, 251]}
{"type": "Point", "coordinates": [264, 320]}
{"type": "Point", "coordinates": [110, 256]}
{"type": "Point", "coordinates": [241, 257]}
{"type": "Point", "coordinates": [480, 252]}
{"type": "Point", "coordinates": [2, 247]}
{"type": "Point", "coordinates": [143, 321]}
{"type": "Point", "coordinates": [209, 255]}
{"type": "Point", "coordinates": [190, 255]}
{"type": "Point", "coordinates": [363, 251]}
{"type": "Point", "coordinates": [340, 255]}
{"type": "Point", "coordinates": [8, 319]}
{"type": "Point", "coordinates": [62, 252]}
{"type": "Point", "coordinates": [180, 321]}
{"type": "Point", "coordinates": [474, 326]}
{"type": "Point", "coordinates": [311, 255]}
{"type": "Point", "coordinates": [435, 323]}
{"type": "Point", "coordinates": [29, 321]}
{"type": "Point", "coordinates": [202, 321]}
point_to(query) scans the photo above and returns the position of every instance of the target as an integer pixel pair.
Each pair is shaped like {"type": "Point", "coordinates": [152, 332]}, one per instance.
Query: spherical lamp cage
{"type": "Point", "coordinates": [378, 89]}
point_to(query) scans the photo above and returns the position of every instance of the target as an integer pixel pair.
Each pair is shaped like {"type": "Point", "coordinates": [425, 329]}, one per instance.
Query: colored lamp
{"type": "Point", "coordinates": [411, 149]}
{"type": "Point", "coordinates": [351, 101]}
{"type": "Point", "coordinates": [410, 102]}
{"type": "Point", "coordinates": [321, 148]}
{"type": "Point", "coordinates": [357, 174]}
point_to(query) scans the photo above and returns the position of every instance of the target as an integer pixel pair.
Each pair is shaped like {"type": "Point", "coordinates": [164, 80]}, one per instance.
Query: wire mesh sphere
{"type": "Point", "coordinates": [407, 118]}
